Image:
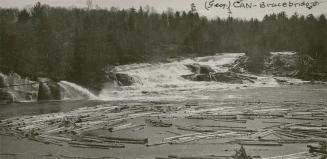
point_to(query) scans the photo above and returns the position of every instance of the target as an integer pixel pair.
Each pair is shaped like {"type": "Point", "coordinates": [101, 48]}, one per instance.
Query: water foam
{"type": "Point", "coordinates": [164, 81]}
{"type": "Point", "coordinates": [74, 91]}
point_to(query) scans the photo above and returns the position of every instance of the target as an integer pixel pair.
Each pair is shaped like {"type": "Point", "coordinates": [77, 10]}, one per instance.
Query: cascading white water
{"type": "Point", "coordinates": [168, 75]}
{"type": "Point", "coordinates": [20, 89]}
{"type": "Point", "coordinates": [164, 81]}
{"type": "Point", "coordinates": [17, 89]}
{"type": "Point", "coordinates": [74, 91]}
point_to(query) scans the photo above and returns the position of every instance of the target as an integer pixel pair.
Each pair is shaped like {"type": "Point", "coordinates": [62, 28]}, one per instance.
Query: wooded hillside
{"type": "Point", "coordinates": [76, 44]}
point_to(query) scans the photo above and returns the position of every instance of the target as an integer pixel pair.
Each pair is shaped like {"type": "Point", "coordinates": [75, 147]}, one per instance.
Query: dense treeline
{"type": "Point", "coordinates": [76, 44]}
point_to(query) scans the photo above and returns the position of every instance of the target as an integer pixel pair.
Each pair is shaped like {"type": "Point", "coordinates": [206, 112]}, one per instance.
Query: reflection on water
{"type": "Point", "coordinates": [34, 108]}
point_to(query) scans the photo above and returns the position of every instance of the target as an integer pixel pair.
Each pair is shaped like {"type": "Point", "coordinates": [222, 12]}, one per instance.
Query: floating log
{"type": "Point", "coordinates": [124, 127]}
{"type": "Point", "coordinates": [173, 132]}
{"type": "Point", "coordinates": [83, 157]}
{"type": "Point", "coordinates": [302, 118]}
{"type": "Point", "coordinates": [157, 144]}
{"type": "Point", "coordinates": [256, 143]}
{"type": "Point", "coordinates": [236, 121]}
{"type": "Point", "coordinates": [96, 145]}
{"type": "Point", "coordinates": [10, 154]}
{"type": "Point", "coordinates": [192, 128]}
{"type": "Point", "coordinates": [313, 149]}
{"type": "Point", "coordinates": [211, 116]}
{"type": "Point", "coordinates": [56, 138]}
{"type": "Point", "coordinates": [181, 136]}
{"type": "Point", "coordinates": [286, 156]}
{"type": "Point", "coordinates": [222, 126]}
{"type": "Point", "coordinates": [158, 122]}
{"type": "Point", "coordinates": [125, 140]}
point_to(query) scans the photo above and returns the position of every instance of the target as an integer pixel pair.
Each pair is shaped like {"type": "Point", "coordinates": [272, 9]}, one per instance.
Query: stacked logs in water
{"type": "Point", "coordinates": [322, 148]}
{"type": "Point", "coordinates": [71, 127]}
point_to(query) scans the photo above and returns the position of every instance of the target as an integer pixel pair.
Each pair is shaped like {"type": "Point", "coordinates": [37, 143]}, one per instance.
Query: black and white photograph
{"type": "Point", "coordinates": [163, 79]}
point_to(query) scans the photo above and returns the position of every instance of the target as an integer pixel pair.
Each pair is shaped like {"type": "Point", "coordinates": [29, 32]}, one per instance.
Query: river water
{"type": "Point", "coordinates": [161, 83]}
{"type": "Point", "coordinates": [311, 94]}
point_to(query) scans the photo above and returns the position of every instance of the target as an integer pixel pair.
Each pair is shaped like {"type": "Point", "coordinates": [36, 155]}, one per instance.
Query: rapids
{"type": "Point", "coordinates": [163, 81]}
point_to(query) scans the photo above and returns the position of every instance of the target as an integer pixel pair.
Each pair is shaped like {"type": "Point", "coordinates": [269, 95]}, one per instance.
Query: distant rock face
{"type": "Point", "coordinates": [225, 77]}
{"type": "Point", "coordinates": [280, 64]}
{"type": "Point", "coordinates": [239, 65]}
{"type": "Point", "coordinates": [14, 88]}
{"type": "Point", "coordinates": [200, 69]}
{"type": "Point", "coordinates": [292, 65]}
{"type": "Point", "coordinates": [205, 73]}
{"type": "Point", "coordinates": [283, 64]}
{"type": "Point", "coordinates": [121, 79]}
{"type": "Point", "coordinates": [2, 80]}
{"type": "Point", "coordinates": [197, 77]}
{"type": "Point", "coordinates": [48, 90]}
{"type": "Point", "coordinates": [6, 97]}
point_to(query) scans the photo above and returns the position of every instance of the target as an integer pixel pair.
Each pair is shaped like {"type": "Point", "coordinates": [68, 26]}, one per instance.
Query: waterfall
{"type": "Point", "coordinates": [73, 91]}
{"type": "Point", "coordinates": [165, 81]}
{"type": "Point", "coordinates": [20, 90]}
{"type": "Point", "coordinates": [168, 75]}
{"type": "Point", "coordinates": [14, 88]}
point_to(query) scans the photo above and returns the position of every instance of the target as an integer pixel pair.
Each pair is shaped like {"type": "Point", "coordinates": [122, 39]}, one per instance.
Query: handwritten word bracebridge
{"type": "Point", "coordinates": [308, 5]}
{"type": "Point", "coordinates": [239, 4]}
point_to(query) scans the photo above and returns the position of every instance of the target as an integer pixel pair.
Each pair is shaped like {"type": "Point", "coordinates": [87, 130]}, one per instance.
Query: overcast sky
{"type": "Point", "coordinates": [162, 5]}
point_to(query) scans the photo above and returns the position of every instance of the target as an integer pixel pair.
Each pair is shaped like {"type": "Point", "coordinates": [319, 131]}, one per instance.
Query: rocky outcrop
{"type": "Point", "coordinates": [120, 78]}
{"type": "Point", "coordinates": [239, 65]}
{"type": "Point", "coordinates": [200, 69]}
{"type": "Point", "coordinates": [124, 79]}
{"type": "Point", "coordinates": [225, 77]}
{"type": "Point", "coordinates": [205, 73]}
{"type": "Point", "coordinates": [14, 88]}
{"type": "Point", "coordinates": [286, 65]}
{"type": "Point", "coordinates": [2, 80]}
{"type": "Point", "coordinates": [198, 77]}
{"type": "Point", "coordinates": [48, 90]}
{"type": "Point", "coordinates": [283, 64]}
{"type": "Point", "coordinates": [6, 97]}
{"type": "Point", "coordinates": [114, 76]}
{"type": "Point", "coordinates": [290, 64]}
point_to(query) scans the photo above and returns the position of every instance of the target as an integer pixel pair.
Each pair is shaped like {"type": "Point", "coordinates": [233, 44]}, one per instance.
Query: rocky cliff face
{"type": "Point", "coordinates": [288, 64]}
{"type": "Point", "coordinates": [205, 73]}
{"type": "Point", "coordinates": [284, 64]}
{"type": "Point", "coordinates": [48, 90]}
{"type": "Point", "coordinates": [14, 88]}
{"type": "Point", "coordinates": [279, 64]}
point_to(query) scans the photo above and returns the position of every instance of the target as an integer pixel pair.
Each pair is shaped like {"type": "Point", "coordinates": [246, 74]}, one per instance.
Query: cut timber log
{"type": "Point", "coordinates": [302, 118]}
{"type": "Point", "coordinates": [235, 121]}
{"type": "Point", "coordinates": [258, 143]}
{"type": "Point", "coordinates": [83, 157]}
{"type": "Point", "coordinates": [317, 149]}
{"type": "Point", "coordinates": [125, 140]}
{"type": "Point", "coordinates": [192, 128]}
{"type": "Point", "coordinates": [158, 122]}
{"type": "Point", "coordinates": [124, 127]}
{"type": "Point", "coordinates": [10, 154]}
{"type": "Point", "coordinates": [222, 126]}
{"type": "Point", "coordinates": [95, 145]}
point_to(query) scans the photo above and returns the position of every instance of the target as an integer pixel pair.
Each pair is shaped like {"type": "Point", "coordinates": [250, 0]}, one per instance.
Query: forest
{"type": "Point", "coordinates": [76, 44]}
